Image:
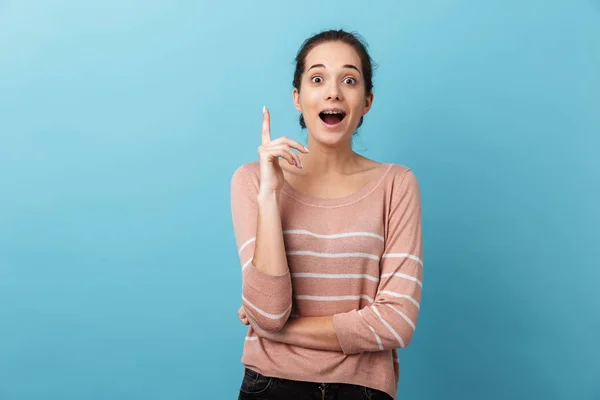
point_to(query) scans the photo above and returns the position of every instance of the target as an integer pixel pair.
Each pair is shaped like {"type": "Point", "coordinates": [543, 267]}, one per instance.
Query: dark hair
{"type": "Point", "coordinates": [353, 39]}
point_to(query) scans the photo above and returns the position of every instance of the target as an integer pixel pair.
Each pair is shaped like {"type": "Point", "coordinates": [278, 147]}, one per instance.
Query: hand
{"type": "Point", "coordinates": [271, 174]}
{"type": "Point", "coordinates": [242, 316]}
{"type": "Point", "coordinates": [264, 334]}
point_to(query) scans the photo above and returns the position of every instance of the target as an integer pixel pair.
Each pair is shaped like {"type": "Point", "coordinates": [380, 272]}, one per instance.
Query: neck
{"type": "Point", "coordinates": [324, 160]}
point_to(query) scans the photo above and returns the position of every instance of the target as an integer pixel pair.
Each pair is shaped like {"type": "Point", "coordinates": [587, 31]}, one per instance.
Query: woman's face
{"type": "Point", "coordinates": [332, 94]}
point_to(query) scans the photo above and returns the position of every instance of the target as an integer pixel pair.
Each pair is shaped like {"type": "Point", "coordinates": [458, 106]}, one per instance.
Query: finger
{"type": "Point", "coordinates": [266, 126]}
{"type": "Point", "coordinates": [283, 153]}
{"type": "Point", "coordinates": [292, 143]}
{"type": "Point", "coordinates": [242, 315]}
{"type": "Point", "coordinates": [288, 149]}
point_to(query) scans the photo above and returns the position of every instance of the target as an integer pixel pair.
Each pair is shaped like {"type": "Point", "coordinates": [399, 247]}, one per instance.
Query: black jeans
{"type": "Point", "coordinates": [256, 386]}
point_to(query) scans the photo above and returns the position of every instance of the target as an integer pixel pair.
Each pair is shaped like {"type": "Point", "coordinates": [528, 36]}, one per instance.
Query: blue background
{"type": "Point", "coordinates": [121, 123]}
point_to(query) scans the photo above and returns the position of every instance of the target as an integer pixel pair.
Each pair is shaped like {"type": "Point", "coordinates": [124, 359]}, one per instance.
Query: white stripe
{"type": "Point", "coordinates": [246, 244]}
{"type": "Point", "coordinates": [332, 255]}
{"type": "Point", "coordinates": [266, 314]}
{"type": "Point", "coordinates": [401, 275]}
{"type": "Point", "coordinates": [398, 338]}
{"type": "Point", "coordinates": [403, 255]}
{"type": "Point", "coordinates": [249, 338]}
{"type": "Point", "coordinates": [334, 276]}
{"type": "Point", "coordinates": [412, 325]}
{"type": "Point", "coordinates": [247, 263]}
{"type": "Point", "coordinates": [333, 298]}
{"type": "Point", "coordinates": [376, 337]}
{"type": "Point", "coordinates": [379, 344]}
{"type": "Point", "coordinates": [332, 236]}
{"type": "Point", "coordinates": [404, 296]}
{"type": "Point", "coordinates": [318, 235]}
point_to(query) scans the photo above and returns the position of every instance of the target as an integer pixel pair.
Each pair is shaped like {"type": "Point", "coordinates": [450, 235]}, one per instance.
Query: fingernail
{"type": "Point", "coordinates": [264, 108]}
{"type": "Point", "coordinates": [306, 148]}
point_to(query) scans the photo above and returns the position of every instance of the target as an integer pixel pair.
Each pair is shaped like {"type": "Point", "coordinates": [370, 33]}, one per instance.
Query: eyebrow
{"type": "Point", "coordinates": [343, 66]}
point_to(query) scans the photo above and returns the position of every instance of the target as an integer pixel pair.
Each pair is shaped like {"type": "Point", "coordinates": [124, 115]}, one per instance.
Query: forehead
{"type": "Point", "coordinates": [333, 55]}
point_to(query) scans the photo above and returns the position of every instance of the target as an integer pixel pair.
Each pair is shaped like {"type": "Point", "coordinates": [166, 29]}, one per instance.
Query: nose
{"type": "Point", "coordinates": [333, 92]}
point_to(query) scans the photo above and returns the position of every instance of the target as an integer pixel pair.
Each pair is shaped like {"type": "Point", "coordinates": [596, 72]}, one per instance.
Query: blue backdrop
{"type": "Point", "coordinates": [121, 123]}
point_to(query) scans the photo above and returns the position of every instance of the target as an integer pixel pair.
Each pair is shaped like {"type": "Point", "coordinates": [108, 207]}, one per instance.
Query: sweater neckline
{"type": "Point", "coordinates": [338, 201]}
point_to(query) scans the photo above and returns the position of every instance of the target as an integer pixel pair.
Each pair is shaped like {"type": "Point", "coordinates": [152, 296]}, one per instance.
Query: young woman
{"type": "Point", "coordinates": [329, 242]}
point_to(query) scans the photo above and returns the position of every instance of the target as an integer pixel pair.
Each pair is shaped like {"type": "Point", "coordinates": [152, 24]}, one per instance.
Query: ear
{"type": "Point", "coordinates": [368, 103]}
{"type": "Point", "coordinates": [296, 97]}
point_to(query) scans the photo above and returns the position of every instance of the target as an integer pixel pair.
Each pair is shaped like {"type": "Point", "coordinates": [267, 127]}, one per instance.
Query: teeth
{"type": "Point", "coordinates": [333, 112]}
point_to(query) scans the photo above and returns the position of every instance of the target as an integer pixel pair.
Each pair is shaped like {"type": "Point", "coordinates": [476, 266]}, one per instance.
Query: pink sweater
{"type": "Point", "coordinates": [356, 258]}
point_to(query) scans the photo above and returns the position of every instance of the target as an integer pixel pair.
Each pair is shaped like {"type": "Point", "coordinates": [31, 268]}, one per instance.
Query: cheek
{"type": "Point", "coordinates": [358, 102]}
{"type": "Point", "coordinates": [312, 98]}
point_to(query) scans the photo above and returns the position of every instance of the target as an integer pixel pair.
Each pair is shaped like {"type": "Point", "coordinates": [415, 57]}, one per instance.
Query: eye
{"type": "Point", "coordinates": [316, 79]}
{"type": "Point", "coordinates": [350, 81]}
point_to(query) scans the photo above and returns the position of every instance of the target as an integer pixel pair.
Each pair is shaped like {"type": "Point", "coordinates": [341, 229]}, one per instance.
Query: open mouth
{"type": "Point", "coordinates": [332, 117]}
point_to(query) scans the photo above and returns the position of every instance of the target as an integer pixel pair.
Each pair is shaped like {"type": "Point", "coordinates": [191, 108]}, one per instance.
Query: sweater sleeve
{"type": "Point", "coordinates": [389, 322]}
{"type": "Point", "coordinates": [267, 299]}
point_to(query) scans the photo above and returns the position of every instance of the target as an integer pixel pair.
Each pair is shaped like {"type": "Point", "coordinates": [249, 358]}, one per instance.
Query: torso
{"type": "Point", "coordinates": [339, 225]}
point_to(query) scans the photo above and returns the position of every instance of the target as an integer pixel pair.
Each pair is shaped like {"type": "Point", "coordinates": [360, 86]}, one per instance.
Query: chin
{"type": "Point", "coordinates": [331, 138]}
{"type": "Point", "coordinates": [331, 134]}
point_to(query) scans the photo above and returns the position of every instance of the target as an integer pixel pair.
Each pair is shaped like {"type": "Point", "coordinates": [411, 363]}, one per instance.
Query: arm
{"type": "Point", "coordinates": [266, 281]}
{"type": "Point", "coordinates": [309, 332]}
{"type": "Point", "coordinates": [269, 250]}
{"type": "Point", "coordinates": [390, 321]}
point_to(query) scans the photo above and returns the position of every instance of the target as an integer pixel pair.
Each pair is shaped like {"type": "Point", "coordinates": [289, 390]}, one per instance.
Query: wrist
{"type": "Point", "coordinates": [267, 196]}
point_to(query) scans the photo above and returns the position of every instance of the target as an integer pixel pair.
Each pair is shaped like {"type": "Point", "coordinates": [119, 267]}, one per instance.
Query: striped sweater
{"type": "Point", "coordinates": [356, 258]}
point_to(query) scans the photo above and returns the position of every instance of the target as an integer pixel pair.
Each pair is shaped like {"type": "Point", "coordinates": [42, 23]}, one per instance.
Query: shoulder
{"type": "Point", "coordinates": [247, 174]}
{"type": "Point", "coordinates": [398, 173]}
{"type": "Point", "coordinates": [400, 180]}
{"type": "Point", "coordinates": [389, 172]}
{"type": "Point", "coordinates": [249, 168]}
{"type": "Point", "coordinates": [397, 170]}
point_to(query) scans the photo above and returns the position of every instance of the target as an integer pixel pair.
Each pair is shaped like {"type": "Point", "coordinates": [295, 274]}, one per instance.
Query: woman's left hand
{"type": "Point", "coordinates": [260, 332]}
{"type": "Point", "coordinates": [242, 316]}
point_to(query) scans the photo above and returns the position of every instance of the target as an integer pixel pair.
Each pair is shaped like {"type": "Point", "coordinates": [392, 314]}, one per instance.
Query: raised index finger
{"type": "Point", "coordinates": [266, 126]}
